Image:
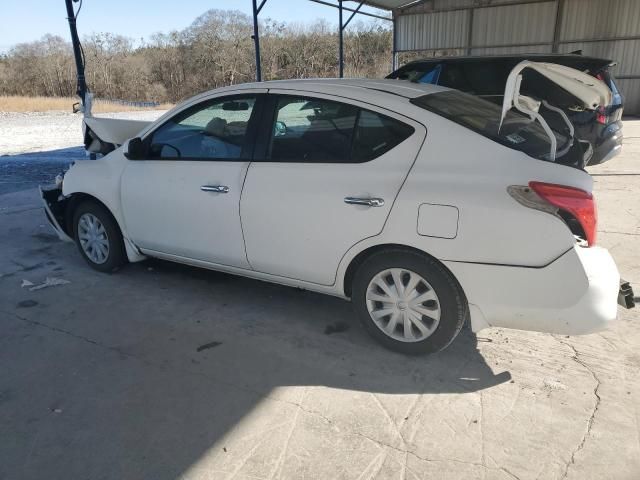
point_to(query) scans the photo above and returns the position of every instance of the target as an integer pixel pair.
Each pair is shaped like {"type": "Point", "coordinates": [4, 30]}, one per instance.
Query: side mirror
{"type": "Point", "coordinates": [135, 149]}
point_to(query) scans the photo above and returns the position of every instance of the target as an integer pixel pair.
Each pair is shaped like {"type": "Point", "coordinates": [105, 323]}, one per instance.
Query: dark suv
{"type": "Point", "coordinates": [486, 77]}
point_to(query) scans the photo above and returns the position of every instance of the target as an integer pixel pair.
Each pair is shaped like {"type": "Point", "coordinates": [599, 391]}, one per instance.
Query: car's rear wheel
{"type": "Point", "coordinates": [408, 301]}
{"type": "Point", "coordinates": [98, 237]}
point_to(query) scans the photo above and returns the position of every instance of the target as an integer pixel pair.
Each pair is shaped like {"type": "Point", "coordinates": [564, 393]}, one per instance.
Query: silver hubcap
{"type": "Point", "coordinates": [403, 305]}
{"type": "Point", "coordinates": [93, 238]}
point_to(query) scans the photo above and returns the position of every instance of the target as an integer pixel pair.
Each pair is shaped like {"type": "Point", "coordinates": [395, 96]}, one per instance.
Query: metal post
{"type": "Point", "coordinates": [81, 88]}
{"type": "Point", "coordinates": [341, 39]}
{"type": "Point", "coordinates": [470, 32]}
{"type": "Point", "coordinates": [256, 40]}
{"type": "Point", "coordinates": [394, 48]}
{"type": "Point", "coordinates": [558, 25]}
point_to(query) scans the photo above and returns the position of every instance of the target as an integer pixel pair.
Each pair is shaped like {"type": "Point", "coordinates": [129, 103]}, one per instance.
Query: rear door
{"type": "Point", "coordinates": [328, 178]}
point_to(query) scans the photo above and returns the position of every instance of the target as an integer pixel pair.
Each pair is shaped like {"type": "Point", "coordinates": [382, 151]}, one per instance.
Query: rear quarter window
{"type": "Point", "coordinates": [376, 134]}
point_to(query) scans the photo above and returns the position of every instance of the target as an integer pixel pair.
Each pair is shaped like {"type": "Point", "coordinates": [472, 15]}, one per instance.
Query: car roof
{"type": "Point", "coordinates": [349, 87]}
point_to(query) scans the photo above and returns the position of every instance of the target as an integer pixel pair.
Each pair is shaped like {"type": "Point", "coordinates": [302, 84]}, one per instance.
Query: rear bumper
{"type": "Point", "coordinates": [609, 145]}
{"type": "Point", "coordinates": [575, 294]}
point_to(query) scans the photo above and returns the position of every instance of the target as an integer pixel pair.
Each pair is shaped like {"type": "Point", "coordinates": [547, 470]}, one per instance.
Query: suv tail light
{"type": "Point", "coordinates": [601, 114]}
{"type": "Point", "coordinates": [578, 203]}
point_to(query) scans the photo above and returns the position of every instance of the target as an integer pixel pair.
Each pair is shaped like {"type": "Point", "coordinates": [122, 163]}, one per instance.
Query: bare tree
{"type": "Point", "coordinates": [215, 50]}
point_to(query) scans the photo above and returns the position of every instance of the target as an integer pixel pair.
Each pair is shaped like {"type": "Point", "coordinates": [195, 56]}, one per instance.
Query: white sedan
{"type": "Point", "coordinates": [424, 206]}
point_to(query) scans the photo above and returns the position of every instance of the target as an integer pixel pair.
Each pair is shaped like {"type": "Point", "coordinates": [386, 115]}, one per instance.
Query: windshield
{"type": "Point", "coordinates": [518, 131]}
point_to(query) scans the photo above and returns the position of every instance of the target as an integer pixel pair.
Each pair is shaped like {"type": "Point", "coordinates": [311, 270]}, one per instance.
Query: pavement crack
{"type": "Point", "coordinates": [510, 473]}
{"type": "Point", "coordinates": [480, 424]}
{"type": "Point", "coordinates": [308, 411]}
{"type": "Point", "coordinates": [620, 233]}
{"type": "Point", "coordinates": [415, 455]}
{"type": "Point", "coordinates": [68, 333]}
{"type": "Point", "coordinates": [285, 448]}
{"type": "Point", "coordinates": [388, 417]}
{"type": "Point", "coordinates": [587, 433]}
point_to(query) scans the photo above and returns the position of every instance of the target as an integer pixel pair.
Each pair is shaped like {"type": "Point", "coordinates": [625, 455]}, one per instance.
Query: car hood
{"type": "Point", "coordinates": [114, 130]}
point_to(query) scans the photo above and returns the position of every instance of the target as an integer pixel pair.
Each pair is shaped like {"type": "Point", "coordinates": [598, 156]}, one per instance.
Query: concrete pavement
{"type": "Point", "coordinates": [163, 371]}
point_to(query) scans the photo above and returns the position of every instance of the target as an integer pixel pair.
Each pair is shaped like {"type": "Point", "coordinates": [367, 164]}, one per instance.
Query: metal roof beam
{"type": "Point", "coordinates": [367, 14]}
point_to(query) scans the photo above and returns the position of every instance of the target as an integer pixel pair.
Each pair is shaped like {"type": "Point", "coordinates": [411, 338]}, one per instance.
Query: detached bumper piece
{"type": "Point", "coordinates": [625, 295]}
{"type": "Point", "coordinates": [54, 208]}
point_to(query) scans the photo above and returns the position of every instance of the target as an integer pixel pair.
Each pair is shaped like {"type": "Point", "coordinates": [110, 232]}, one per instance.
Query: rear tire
{"type": "Point", "coordinates": [408, 301]}
{"type": "Point", "coordinates": [98, 237]}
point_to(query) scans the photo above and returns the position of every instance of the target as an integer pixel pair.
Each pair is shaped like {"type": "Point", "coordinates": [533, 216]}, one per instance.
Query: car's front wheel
{"type": "Point", "coordinates": [408, 301]}
{"type": "Point", "coordinates": [98, 237]}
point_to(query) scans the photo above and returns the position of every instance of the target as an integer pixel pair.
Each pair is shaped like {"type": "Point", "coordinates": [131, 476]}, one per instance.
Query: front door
{"type": "Point", "coordinates": [184, 199]}
{"type": "Point", "coordinates": [329, 178]}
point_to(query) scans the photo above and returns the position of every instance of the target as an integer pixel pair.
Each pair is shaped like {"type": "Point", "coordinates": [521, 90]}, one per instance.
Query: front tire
{"type": "Point", "coordinates": [98, 237]}
{"type": "Point", "coordinates": [408, 301]}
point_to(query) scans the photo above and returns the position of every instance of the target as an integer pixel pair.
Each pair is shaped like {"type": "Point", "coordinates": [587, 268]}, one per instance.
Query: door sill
{"type": "Point", "coordinates": [243, 272]}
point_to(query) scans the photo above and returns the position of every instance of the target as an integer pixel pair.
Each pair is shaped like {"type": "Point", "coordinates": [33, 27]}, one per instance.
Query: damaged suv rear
{"type": "Point", "coordinates": [486, 76]}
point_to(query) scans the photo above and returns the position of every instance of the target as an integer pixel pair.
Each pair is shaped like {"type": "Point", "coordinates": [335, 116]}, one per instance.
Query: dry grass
{"type": "Point", "coordinates": [13, 103]}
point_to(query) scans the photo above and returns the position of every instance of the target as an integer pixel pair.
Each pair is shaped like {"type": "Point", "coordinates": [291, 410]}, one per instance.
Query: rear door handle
{"type": "Point", "coordinates": [368, 202]}
{"type": "Point", "coordinates": [215, 188]}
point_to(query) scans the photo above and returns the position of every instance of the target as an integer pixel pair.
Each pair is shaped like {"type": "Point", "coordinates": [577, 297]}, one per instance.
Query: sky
{"type": "Point", "coordinates": [28, 20]}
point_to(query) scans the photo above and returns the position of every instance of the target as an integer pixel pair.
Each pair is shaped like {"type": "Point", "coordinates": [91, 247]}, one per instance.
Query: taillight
{"type": "Point", "coordinates": [601, 114]}
{"type": "Point", "coordinates": [580, 204]}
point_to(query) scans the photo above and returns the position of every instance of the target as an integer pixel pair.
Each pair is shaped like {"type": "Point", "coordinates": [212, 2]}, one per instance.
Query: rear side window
{"type": "Point", "coordinates": [377, 134]}
{"type": "Point", "coordinates": [312, 130]}
{"type": "Point", "coordinates": [518, 131]}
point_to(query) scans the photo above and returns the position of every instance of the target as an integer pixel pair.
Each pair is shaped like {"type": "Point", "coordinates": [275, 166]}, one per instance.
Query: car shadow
{"type": "Point", "coordinates": [146, 373]}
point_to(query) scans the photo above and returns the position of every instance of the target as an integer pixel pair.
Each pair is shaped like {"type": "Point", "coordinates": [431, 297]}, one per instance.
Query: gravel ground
{"type": "Point", "coordinates": [35, 147]}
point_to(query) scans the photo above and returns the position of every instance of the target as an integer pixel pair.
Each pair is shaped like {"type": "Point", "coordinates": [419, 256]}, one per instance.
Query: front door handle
{"type": "Point", "coordinates": [369, 202]}
{"type": "Point", "coordinates": [215, 188]}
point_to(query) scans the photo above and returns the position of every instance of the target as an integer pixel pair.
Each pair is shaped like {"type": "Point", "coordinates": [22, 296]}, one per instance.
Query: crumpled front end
{"type": "Point", "coordinates": [55, 207]}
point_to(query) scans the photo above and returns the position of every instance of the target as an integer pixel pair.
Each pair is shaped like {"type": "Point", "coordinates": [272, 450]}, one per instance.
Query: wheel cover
{"type": "Point", "coordinates": [403, 305]}
{"type": "Point", "coordinates": [93, 238]}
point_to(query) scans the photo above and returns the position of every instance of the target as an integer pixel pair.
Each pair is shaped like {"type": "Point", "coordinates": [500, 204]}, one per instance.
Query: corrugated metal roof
{"type": "Point", "coordinates": [432, 30]}
{"type": "Point", "coordinates": [626, 53]}
{"type": "Point", "coordinates": [511, 50]}
{"type": "Point", "coordinates": [631, 92]}
{"type": "Point", "coordinates": [590, 19]}
{"type": "Point", "coordinates": [514, 24]}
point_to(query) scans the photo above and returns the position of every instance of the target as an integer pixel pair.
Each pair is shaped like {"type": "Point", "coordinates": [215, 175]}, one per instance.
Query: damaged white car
{"type": "Point", "coordinates": [424, 206]}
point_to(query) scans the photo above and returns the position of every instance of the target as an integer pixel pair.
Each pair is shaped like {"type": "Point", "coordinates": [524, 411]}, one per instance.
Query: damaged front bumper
{"type": "Point", "coordinates": [55, 209]}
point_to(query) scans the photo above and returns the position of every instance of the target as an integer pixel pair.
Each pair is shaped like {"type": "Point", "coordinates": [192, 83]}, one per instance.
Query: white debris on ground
{"type": "Point", "coordinates": [48, 282]}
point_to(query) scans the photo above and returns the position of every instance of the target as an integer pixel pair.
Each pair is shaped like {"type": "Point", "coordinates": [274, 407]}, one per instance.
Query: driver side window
{"type": "Point", "coordinates": [212, 130]}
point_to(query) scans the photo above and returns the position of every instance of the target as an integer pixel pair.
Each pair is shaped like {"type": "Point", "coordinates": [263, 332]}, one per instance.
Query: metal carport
{"type": "Point", "coordinates": [609, 29]}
